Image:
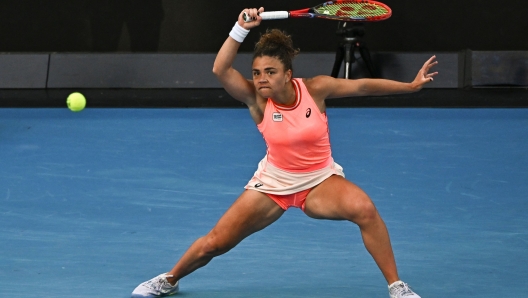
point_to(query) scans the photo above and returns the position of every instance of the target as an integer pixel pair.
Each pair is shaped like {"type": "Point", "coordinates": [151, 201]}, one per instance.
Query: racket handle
{"type": "Point", "coordinates": [270, 15]}
{"type": "Point", "coordinates": [274, 15]}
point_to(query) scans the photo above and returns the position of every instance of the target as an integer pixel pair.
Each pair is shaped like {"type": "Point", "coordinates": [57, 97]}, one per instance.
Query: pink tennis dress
{"type": "Point", "coordinates": [299, 155]}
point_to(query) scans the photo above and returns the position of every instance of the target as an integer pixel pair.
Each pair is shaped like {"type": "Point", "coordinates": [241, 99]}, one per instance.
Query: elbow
{"type": "Point", "coordinates": [363, 88]}
{"type": "Point", "coordinates": [216, 71]}
{"type": "Point", "coordinates": [219, 71]}
{"type": "Point", "coordinates": [217, 68]}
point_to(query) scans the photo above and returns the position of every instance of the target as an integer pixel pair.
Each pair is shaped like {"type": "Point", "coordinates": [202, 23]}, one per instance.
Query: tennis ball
{"type": "Point", "coordinates": [76, 102]}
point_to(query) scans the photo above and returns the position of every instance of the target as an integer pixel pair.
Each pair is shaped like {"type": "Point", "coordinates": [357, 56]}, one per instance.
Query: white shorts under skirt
{"type": "Point", "coordinates": [270, 179]}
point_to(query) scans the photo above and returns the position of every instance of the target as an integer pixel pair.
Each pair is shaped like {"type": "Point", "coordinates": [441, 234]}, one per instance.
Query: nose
{"type": "Point", "coordinates": [261, 78]}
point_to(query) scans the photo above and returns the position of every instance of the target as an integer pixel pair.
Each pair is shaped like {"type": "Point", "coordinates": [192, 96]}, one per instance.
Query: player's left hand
{"type": "Point", "coordinates": [423, 77]}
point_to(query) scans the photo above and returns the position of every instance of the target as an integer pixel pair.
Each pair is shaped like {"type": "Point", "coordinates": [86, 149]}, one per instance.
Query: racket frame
{"type": "Point", "coordinates": [312, 13]}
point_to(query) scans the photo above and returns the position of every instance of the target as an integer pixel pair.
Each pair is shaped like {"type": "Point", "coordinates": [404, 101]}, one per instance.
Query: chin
{"type": "Point", "coordinates": [265, 93]}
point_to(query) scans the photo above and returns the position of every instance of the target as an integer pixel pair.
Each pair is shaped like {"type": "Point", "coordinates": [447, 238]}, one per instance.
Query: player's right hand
{"type": "Point", "coordinates": [253, 13]}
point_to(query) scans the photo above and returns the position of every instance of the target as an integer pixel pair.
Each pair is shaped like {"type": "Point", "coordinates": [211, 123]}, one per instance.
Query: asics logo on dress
{"type": "Point", "coordinates": [308, 112]}
{"type": "Point", "coordinates": [258, 185]}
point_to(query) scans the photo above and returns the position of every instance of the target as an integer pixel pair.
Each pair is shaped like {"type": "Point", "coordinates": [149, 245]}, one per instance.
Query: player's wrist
{"type": "Point", "coordinates": [414, 86]}
{"type": "Point", "coordinates": [238, 33]}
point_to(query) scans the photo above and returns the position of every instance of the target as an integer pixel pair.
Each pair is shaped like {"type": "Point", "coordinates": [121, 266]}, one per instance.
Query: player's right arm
{"type": "Point", "coordinates": [233, 81]}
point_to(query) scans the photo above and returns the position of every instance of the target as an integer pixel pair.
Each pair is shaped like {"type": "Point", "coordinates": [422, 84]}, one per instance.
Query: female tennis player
{"type": "Point", "coordinates": [298, 169]}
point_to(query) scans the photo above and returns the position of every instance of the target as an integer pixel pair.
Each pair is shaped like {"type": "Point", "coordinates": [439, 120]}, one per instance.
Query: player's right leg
{"type": "Point", "coordinates": [251, 212]}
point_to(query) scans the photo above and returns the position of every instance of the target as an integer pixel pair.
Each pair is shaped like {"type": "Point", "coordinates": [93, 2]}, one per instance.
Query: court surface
{"type": "Point", "coordinates": [94, 203]}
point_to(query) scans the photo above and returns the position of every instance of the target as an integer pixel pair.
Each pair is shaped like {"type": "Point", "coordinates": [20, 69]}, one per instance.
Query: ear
{"type": "Point", "coordinates": [288, 76]}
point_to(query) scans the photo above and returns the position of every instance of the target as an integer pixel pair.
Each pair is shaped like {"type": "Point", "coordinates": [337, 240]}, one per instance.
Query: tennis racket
{"type": "Point", "coordinates": [340, 10]}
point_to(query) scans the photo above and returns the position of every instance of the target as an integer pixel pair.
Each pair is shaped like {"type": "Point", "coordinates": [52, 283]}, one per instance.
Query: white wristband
{"type": "Point", "coordinates": [238, 33]}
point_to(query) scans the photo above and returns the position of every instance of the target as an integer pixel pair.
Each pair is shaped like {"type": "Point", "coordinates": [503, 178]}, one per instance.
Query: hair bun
{"type": "Point", "coordinates": [276, 43]}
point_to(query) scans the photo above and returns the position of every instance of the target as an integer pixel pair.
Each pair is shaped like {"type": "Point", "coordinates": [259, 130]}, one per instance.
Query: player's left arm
{"type": "Point", "coordinates": [328, 87]}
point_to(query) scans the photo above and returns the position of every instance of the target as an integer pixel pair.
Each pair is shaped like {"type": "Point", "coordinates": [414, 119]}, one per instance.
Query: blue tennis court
{"type": "Point", "coordinates": [94, 203]}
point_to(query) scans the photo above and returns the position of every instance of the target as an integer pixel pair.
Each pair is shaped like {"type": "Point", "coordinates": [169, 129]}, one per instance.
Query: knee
{"type": "Point", "coordinates": [365, 212]}
{"type": "Point", "coordinates": [213, 245]}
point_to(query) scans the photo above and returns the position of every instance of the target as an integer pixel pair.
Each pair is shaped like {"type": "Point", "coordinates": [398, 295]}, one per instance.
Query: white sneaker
{"type": "Point", "coordinates": [156, 287]}
{"type": "Point", "coordinates": [400, 289]}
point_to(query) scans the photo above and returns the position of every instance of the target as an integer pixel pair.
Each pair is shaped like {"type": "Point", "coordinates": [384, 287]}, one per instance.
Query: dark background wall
{"type": "Point", "coordinates": [202, 26]}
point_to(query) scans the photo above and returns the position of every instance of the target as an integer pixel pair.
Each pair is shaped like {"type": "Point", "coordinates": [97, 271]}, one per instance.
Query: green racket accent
{"type": "Point", "coordinates": [351, 10]}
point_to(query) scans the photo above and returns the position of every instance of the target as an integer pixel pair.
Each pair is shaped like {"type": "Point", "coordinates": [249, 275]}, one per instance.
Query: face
{"type": "Point", "coordinates": [269, 76]}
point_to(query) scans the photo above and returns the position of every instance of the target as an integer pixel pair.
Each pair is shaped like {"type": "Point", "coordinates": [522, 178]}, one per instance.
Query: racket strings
{"type": "Point", "coordinates": [352, 10]}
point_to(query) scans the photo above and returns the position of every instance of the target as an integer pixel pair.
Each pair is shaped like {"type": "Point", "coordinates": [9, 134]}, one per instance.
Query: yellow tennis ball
{"type": "Point", "coordinates": [76, 102]}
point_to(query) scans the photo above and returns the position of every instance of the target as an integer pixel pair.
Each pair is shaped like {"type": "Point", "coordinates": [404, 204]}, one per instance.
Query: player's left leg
{"type": "Point", "coordinates": [339, 199]}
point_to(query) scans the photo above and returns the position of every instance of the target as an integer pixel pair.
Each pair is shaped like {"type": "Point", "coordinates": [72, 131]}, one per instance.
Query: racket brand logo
{"type": "Point", "coordinates": [308, 112]}
{"type": "Point", "coordinates": [277, 117]}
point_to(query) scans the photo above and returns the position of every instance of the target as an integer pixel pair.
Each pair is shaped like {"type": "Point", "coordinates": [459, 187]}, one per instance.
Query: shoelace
{"type": "Point", "coordinates": [164, 284]}
{"type": "Point", "coordinates": [404, 290]}
{"type": "Point", "coordinates": [161, 285]}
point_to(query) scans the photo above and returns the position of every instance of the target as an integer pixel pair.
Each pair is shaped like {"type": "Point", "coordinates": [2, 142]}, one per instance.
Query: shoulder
{"type": "Point", "coordinates": [319, 87]}
{"type": "Point", "coordinates": [330, 87]}
{"type": "Point", "coordinates": [318, 82]}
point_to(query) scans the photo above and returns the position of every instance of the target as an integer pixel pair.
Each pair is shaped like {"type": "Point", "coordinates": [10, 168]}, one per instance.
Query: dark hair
{"type": "Point", "coordinates": [278, 44]}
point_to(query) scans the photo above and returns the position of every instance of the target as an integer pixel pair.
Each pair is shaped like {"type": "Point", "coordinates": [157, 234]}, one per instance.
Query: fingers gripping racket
{"type": "Point", "coordinates": [340, 10]}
